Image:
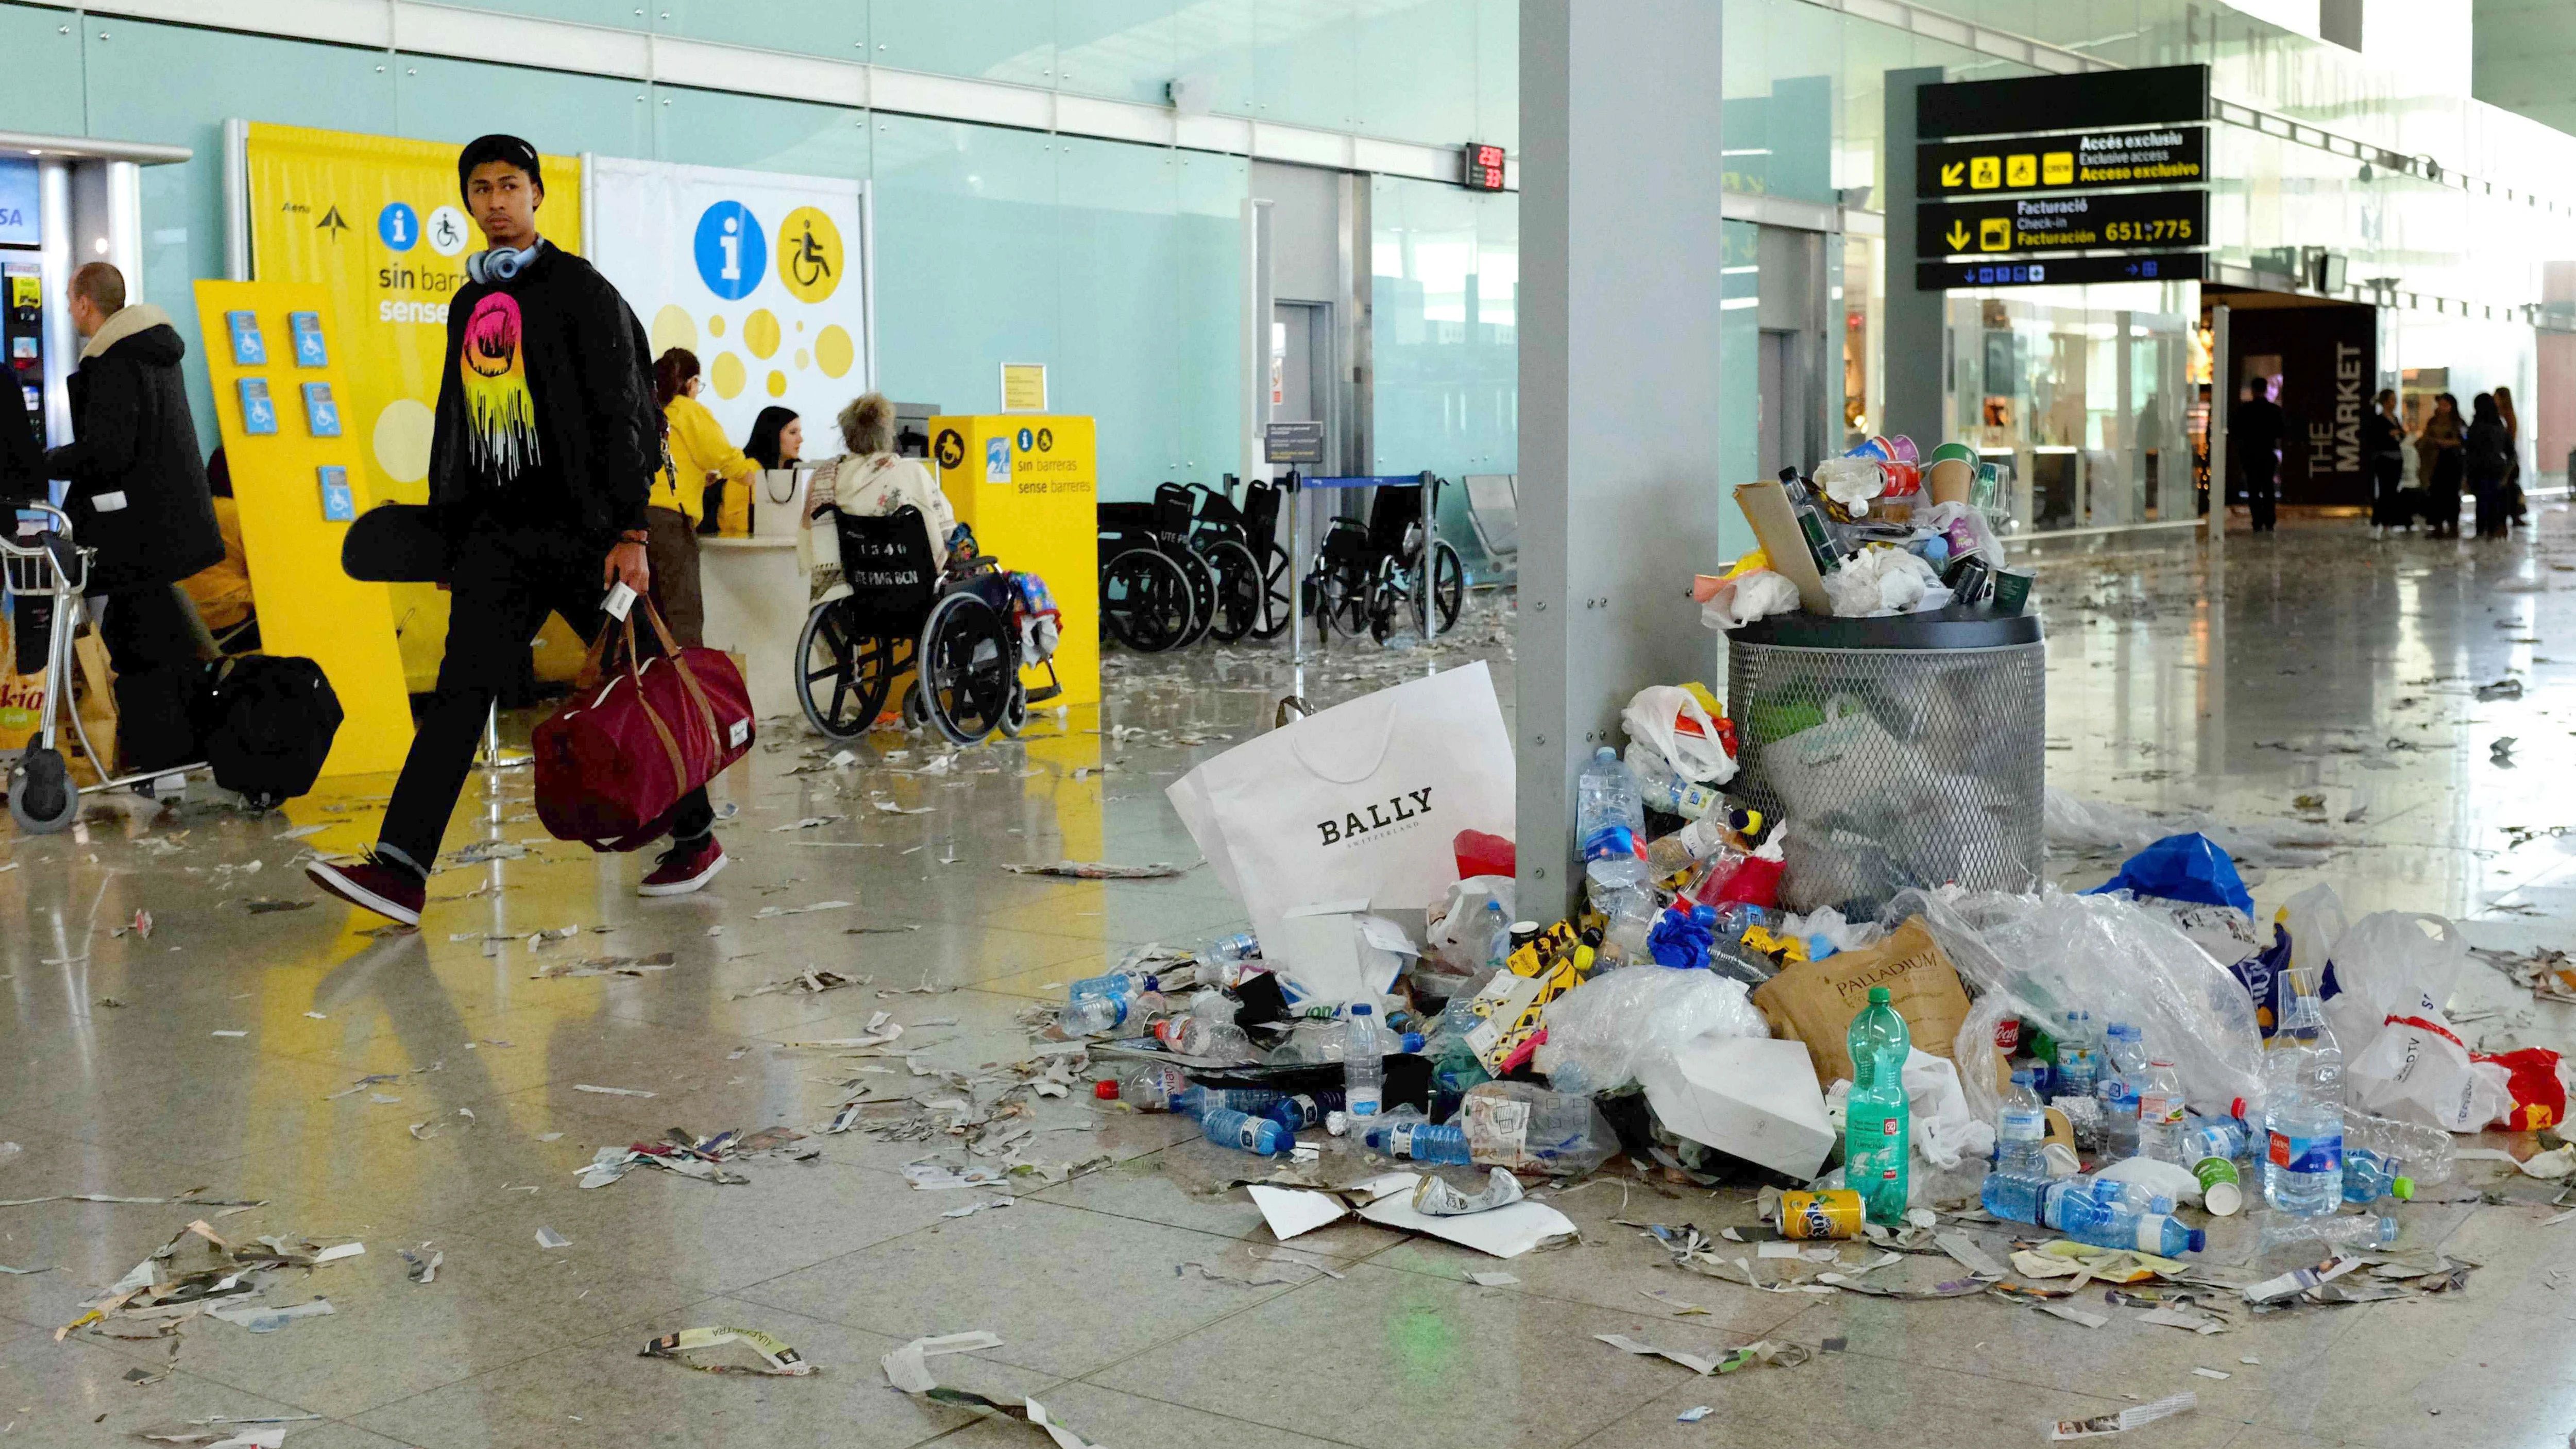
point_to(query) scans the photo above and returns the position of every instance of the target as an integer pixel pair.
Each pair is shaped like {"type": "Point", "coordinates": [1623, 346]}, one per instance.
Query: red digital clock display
{"type": "Point", "coordinates": [1481, 167]}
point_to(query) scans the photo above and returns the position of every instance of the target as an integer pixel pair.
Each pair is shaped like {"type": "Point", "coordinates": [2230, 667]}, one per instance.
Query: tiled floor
{"type": "Point", "coordinates": [2328, 648]}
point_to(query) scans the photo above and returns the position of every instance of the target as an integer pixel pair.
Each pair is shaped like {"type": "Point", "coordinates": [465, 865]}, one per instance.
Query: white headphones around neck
{"type": "Point", "coordinates": [500, 264]}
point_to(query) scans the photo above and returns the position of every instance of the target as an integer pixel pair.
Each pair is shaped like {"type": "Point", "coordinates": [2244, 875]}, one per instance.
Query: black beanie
{"type": "Point", "coordinates": [483, 150]}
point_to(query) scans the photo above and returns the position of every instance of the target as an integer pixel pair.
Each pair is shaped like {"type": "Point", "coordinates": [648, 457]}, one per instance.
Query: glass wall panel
{"type": "Point", "coordinates": [1305, 62]}
{"type": "Point", "coordinates": [1418, 71]}
{"type": "Point", "coordinates": [1204, 349]}
{"type": "Point", "coordinates": [1445, 334]}
{"type": "Point", "coordinates": [44, 90]}
{"type": "Point", "coordinates": [834, 29]}
{"type": "Point", "coordinates": [436, 99]}
{"type": "Point", "coordinates": [967, 258]}
{"type": "Point", "coordinates": [1126, 50]}
{"type": "Point", "coordinates": [1118, 250]}
{"type": "Point", "coordinates": [1004, 40]}
{"type": "Point", "coordinates": [756, 133]}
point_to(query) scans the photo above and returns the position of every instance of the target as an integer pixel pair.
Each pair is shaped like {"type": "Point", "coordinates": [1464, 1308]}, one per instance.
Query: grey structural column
{"type": "Point", "coordinates": [1917, 353]}
{"type": "Point", "coordinates": [1620, 494]}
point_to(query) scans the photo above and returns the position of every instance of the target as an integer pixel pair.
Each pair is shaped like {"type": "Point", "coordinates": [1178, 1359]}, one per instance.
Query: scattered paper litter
{"type": "Point", "coordinates": [2211, 1373]}
{"type": "Point", "coordinates": [614, 1091]}
{"type": "Point", "coordinates": [338, 1251]}
{"type": "Point", "coordinates": [972, 1208]}
{"type": "Point", "coordinates": [766, 912]}
{"type": "Point", "coordinates": [264, 1318]}
{"type": "Point", "coordinates": [906, 1369]}
{"type": "Point", "coordinates": [423, 1266]}
{"type": "Point", "coordinates": [1098, 870]}
{"type": "Point", "coordinates": [2126, 1419]}
{"type": "Point", "coordinates": [1701, 1366]}
{"type": "Point", "coordinates": [1969, 1254]}
{"type": "Point", "coordinates": [1693, 1416]}
{"type": "Point", "coordinates": [776, 1357]}
{"type": "Point", "coordinates": [2075, 1315]}
{"type": "Point", "coordinates": [549, 1238]}
{"type": "Point", "coordinates": [1492, 1280]}
{"type": "Point", "coordinates": [232, 1033]}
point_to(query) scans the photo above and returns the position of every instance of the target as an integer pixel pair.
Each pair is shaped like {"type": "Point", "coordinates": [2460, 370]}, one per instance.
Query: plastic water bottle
{"type": "Point", "coordinates": [1129, 984]}
{"type": "Point", "coordinates": [2160, 1114]}
{"type": "Point", "coordinates": [1659, 787]}
{"type": "Point", "coordinates": [1363, 1062]}
{"type": "Point", "coordinates": [1241, 946]}
{"type": "Point", "coordinates": [2117, 1092]}
{"type": "Point", "coordinates": [2280, 1229]}
{"type": "Point", "coordinates": [1406, 1134]}
{"type": "Point", "coordinates": [1494, 928]}
{"type": "Point", "coordinates": [1094, 1015]}
{"type": "Point", "coordinates": [2079, 1057]}
{"type": "Point", "coordinates": [2021, 1128]}
{"type": "Point", "coordinates": [1877, 1123]}
{"type": "Point", "coordinates": [1204, 1038]}
{"type": "Point", "coordinates": [1200, 1101]}
{"type": "Point", "coordinates": [1251, 1134]}
{"type": "Point", "coordinates": [1304, 1109]}
{"type": "Point", "coordinates": [2015, 1196]}
{"type": "Point", "coordinates": [2216, 1137]}
{"type": "Point", "coordinates": [1154, 1088]}
{"type": "Point", "coordinates": [2385, 1158]}
{"type": "Point", "coordinates": [2303, 1105]}
{"type": "Point", "coordinates": [1610, 820]}
{"type": "Point", "coordinates": [2081, 1213]}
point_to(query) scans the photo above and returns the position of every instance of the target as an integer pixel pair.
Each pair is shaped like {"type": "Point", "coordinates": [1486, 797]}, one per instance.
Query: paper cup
{"type": "Point", "coordinates": [2012, 590]}
{"type": "Point", "coordinates": [2219, 1190]}
{"type": "Point", "coordinates": [1950, 479]}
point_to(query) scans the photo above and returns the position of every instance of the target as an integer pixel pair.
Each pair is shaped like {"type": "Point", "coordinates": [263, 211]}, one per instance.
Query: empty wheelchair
{"type": "Point", "coordinates": [1365, 573]}
{"type": "Point", "coordinates": [1253, 580]}
{"type": "Point", "coordinates": [964, 635]}
{"type": "Point", "coordinates": [1156, 592]}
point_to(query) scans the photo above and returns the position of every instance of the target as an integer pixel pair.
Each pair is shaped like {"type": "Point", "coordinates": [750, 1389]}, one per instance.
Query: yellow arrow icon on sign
{"type": "Point", "coordinates": [1958, 237]}
{"type": "Point", "coordinates": [1954, 174]}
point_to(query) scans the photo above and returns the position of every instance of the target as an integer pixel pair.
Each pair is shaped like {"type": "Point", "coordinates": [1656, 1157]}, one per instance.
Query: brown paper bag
{"type": "Point", "coordinates": [1815, 1001]}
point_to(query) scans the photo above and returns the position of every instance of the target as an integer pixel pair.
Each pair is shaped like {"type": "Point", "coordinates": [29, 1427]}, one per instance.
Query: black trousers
{"type": "Point", "coordinates": [2262, 488]}
{"type": "Point", "coordinates": [2387, 477]}
{"type": "Point", "coordinates": [505, 576]}
{"type": "Point", "coordinates": [153, 646]}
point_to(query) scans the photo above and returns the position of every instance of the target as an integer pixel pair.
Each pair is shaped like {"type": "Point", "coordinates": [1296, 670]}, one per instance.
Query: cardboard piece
{"type": "Point", "coordinates": [1387, 1200]}
{"type": "Point", "coordinates": [1814, 1001]}
{"type": "Point", "coordinates": [1337, 951]}
{"type": "Point", "coordinates": [1766, 507]}
{"type": "Point", "coordinates": [1749, 1096]}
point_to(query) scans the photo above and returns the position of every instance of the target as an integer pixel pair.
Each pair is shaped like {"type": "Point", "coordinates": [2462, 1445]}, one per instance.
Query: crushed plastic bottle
{"type": "Point", "coordinates": [2021, 1128]}
{"type": "Point", "coordinates": [2161, 1113]}
{"type": "Point", "coordinates": [2303, 1104]}
{"type": "Point", "coordinates": [1363, 1062]}
{"type": "Point", "coordinates": [1877, 1122]}
{"type": "Point", "coordinates": [1203, 1038]}
{"type": "Point", "coordinates": [1153, 1088]}
{"type": "Point", "coordinates": [2385, 1158]}
{"type": "Point", "coordinates": [1610, 821]}
{"type": "Point", "coordinates": [2276, 1229]}
{"type": "Point", "coordinates": [1228, 1128]}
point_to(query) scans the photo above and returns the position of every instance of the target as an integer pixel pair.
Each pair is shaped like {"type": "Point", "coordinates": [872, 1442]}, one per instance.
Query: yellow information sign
{"type": "Point", "coordinates": [377, 223]}
{"type": "Point", "coordinates": [1024, 387]}
{"type": "Point", "coordinates": [297, 483]}
{"type": "Point", "coordinates": [1029, 485]}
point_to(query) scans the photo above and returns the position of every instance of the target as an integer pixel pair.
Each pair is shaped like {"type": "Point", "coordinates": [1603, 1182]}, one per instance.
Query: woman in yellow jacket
{"type": "Point", "coordinates": [699, 454]}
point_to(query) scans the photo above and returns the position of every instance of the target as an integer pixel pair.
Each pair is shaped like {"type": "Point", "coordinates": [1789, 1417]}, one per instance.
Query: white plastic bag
{"type": "Point", "coordinates": [1619, 1026]}
{"type": "Point", "coordinates": [1458, 929]}
{"type": "Point", "coordinates": [1945, 1131]}
{"type": "Point", "coordinates": [1747, 597]}
{"type": "Point", "coordinates": [1654, 718]}
{"type": "Point", "coordinates": [2402, 1059]}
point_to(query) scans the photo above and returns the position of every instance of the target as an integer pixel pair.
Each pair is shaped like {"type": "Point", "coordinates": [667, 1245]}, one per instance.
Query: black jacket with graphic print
{"type": "Point", "coordinates": [563, 398]}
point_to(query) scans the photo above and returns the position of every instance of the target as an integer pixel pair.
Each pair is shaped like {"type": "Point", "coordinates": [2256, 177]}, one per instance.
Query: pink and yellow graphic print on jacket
{"type": "Point", "coordinates": [501, 417]}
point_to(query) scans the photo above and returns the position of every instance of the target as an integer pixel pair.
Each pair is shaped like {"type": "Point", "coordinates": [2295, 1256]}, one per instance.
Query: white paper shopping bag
{"type": "Point", "coordinates": [1358, 802]}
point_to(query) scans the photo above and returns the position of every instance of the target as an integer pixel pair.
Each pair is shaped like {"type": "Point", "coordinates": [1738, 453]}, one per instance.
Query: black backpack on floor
{"type": "Point", "coordinates": [266, 725]}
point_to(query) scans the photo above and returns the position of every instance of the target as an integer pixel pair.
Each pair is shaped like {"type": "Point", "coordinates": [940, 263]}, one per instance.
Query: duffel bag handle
{"type": "Point", "coordinates": [680, 666]}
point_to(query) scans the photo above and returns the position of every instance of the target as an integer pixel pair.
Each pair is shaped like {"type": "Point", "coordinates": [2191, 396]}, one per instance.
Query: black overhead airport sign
{"type": "Point", "coordinates": [2170, 95]}
{"type": "Point", "coordinates": [2087, 160]}
{"type": "Point", "coordinates": [2061, 272]}
{"type": "Point", "coordinates": [2064, 223]}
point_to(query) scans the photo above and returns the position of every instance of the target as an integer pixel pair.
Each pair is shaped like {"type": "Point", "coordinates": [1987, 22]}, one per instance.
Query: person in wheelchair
{"type": "Point", "coordinates": [872, 480]}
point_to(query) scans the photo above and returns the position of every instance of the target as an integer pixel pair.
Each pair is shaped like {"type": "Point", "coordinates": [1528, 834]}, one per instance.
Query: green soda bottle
{"type": "Point", "coordinates": [1877, 1125]}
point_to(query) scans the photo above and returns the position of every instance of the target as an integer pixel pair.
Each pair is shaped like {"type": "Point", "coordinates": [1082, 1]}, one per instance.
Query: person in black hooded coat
{"type": "Point", "coordinates": [138, 498]}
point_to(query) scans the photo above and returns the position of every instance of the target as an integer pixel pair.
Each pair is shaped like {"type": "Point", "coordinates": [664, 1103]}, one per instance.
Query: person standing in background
{"type": "Point", "coordinates": [2383, 443]}
{"type": "Point", "coordinates": [2254, 431]}
{"type": "Point", "coordinates": [138, 496]}
{"type": "Point", "coordinates": [777, 441]}
{"type": "Point", "coordinates": [2487, 453]}
{"type": "Point", "coordinates": [2515, 510]}
{"type": "Point", "coordinates": [2438, 463]}
{"type": "Point", "coordinates": [697, 459]}
{"type": "Point", "coordinates": [542, 457]}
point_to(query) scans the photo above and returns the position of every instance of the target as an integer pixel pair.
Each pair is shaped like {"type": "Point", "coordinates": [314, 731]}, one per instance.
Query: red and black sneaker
{"type": "Point", "coordinates": [686, 866]}
{"type": "Point", "coordinates": [385, 887]}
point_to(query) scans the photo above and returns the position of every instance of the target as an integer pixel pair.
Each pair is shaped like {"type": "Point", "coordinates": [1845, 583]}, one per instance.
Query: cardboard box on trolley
{"type": "Point", "coordinates": [1029, 485]}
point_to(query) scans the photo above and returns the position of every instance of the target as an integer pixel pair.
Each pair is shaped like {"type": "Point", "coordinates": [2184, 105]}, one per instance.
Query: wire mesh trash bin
{"type": "Point", "coordinates": [1895, 752]}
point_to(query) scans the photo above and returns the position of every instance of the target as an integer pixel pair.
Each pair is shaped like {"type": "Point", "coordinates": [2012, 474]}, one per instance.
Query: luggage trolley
{"type": "Point", "coordinates": [965, 635]}
{"type": "Point", "coordinates": [42, 567]}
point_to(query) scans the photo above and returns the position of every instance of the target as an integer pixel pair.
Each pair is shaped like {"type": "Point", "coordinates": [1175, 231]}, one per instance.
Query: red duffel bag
{"type": "Point", "coordinates": [637, 735]}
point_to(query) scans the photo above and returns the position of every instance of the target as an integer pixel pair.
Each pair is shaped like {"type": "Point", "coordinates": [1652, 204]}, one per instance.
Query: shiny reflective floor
{"type": "Point", "coordinates": [216, 1058]}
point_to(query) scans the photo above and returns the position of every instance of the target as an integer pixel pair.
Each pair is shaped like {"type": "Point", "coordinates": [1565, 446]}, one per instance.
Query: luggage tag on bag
{"type": "Point", "coordinates": [620, 600]}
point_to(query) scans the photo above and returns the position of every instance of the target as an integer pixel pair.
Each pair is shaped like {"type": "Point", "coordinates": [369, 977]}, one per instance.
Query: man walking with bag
{"type": "Point", "coordinates": [545, 445]}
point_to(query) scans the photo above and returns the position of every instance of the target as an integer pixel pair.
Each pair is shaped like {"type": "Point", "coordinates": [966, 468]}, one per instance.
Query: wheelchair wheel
{"type": "Point", "coordinates": [41, 797]}
{"type": "Point", "coordinates": [967, 675]}
{"type": "Point", "coordinates": [1145, 598]}
{"type": "Point", "coordinates": [1238, 590]}
{"type": "Point", "coordinates": [1015, 714]}
{"type": "Point", "coordinates": [1203, 593]}
{"type": "Point", "coordinates": [1386, 593]}
{"type": "Point", "coordinates": [1446, 592]}
{"type": "Point", "coordinates": [846, 673]}
{"type": "Point", "coordinates": [915, 714]}
{"type": "Point", "coordinates": [1277, 593]}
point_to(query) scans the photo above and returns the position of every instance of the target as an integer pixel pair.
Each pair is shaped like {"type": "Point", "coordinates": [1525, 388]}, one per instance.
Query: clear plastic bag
{"type": "Point", "coordinates": [2036, 956]}
{"type": "Point", "coordinates": [1614, 1028]}
{"type": "Point", "coordinates": [2106, 827]}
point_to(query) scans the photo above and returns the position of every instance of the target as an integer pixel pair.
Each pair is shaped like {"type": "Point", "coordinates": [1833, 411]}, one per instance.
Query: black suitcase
{"type": "Point", "coordinates": [266, 724]}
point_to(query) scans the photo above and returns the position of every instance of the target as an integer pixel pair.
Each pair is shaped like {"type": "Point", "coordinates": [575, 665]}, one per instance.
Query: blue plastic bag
{"type": "Point", "coordinates": [2182, 868]}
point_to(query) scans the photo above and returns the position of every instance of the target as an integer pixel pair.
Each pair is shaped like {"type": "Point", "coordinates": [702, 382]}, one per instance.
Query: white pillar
{"type": "Point", "coordinates": [1620, 496]}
